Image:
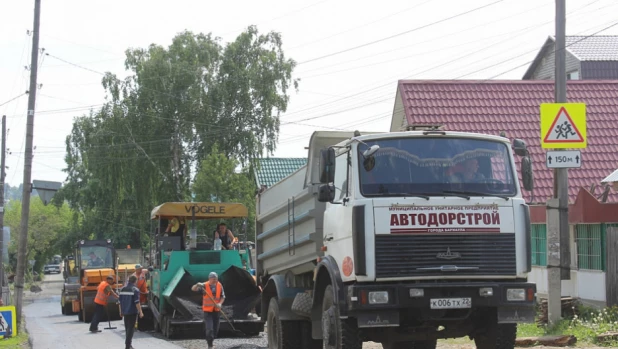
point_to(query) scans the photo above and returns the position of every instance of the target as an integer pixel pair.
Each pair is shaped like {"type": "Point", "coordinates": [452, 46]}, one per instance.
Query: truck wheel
{"type": "Point", "coordinates": [67, 309]}
{"type": "Point", "coordinates": [281, 334]}
{"type": "Point", "coordinates": [337, 333]}
{"type": "Point", "coordinates": [302, 304]}
{"type": "Point", "coordinates": [498, 336]}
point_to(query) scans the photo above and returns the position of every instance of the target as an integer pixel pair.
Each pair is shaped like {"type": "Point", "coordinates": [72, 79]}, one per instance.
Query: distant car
{"type": "Point", "coordinates": [51, 268]}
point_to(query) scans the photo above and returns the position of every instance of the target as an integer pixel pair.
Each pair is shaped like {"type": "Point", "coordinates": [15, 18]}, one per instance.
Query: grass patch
{"type": "Point", "coordinates": [585, 327]}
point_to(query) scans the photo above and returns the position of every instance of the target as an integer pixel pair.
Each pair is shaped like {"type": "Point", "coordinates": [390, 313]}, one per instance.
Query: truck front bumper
{"type": "Point", "coordinates": [389, 305]}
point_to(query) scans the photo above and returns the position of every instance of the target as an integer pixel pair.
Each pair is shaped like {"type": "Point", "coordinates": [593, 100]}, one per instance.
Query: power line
{"type": "Point", "coordinates": [281, 16]}
{"type": "Point", "coordinates": [399, 34]}
{"type": "Point", "coordinates": [399, 12]}
{"type": "Point", "coordinates": [12, 99]}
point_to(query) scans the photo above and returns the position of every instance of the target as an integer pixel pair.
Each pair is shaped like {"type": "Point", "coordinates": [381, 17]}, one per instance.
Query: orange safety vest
{"type": "Point", "coordinates": [207, 303]}
{"type": "Point", "coordinates": [142, 286]}
{"type": "Point", "coordinates": [101, 297]}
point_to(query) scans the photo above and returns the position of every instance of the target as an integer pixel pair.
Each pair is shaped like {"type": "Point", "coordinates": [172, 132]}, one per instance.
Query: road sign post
{"type": "Point", "coordinates": [563, 159]}
{"type": "Point", "coordinates": [563, 126]}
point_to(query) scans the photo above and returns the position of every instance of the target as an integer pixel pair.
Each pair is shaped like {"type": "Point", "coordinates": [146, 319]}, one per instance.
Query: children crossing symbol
{"type": "Point", "coordinates": [563, 129]}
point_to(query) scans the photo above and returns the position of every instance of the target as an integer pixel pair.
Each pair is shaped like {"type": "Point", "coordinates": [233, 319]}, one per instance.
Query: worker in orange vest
{"type": "Point", "coordinates": [104, 291]}
{"type": "Point", "coordinates": [140, 275]}
{"type": "Point", "coordinates": [213, 298]}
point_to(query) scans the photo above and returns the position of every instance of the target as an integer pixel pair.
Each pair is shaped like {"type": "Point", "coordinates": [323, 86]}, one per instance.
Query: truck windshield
{"type": "Point", "coordinates": [96, 257]}
{"type": "Point", "coordinates": [437, 166]}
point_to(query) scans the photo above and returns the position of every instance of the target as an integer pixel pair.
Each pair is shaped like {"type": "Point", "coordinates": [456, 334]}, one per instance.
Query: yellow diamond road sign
{"type": "Point", "coordinates": [563, 125]}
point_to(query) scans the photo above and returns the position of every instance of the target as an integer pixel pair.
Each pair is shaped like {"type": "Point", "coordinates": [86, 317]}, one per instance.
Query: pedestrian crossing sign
{"type": "Point", "coordinates": [563, 125]}
{"type": "Point", "coordinates": [7, 322]}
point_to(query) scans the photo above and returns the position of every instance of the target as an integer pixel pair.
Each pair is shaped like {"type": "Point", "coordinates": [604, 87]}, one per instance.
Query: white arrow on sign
{"type": "Point", "coordinates": [563, 159]}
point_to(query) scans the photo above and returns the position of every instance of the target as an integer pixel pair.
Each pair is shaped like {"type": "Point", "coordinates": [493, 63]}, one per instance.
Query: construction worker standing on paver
{"type": "Point", "coordinates": [213, 298]}
{"type": "Point", "coordinates": [140, 275]}
{"type": "Point", "coordinates": [130, 308]}
{"type": "Point", "coordinates": [104, 291]}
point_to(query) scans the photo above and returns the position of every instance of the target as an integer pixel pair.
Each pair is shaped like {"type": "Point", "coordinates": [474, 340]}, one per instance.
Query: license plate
{"type": "Point", "coordinates": [450, 303]}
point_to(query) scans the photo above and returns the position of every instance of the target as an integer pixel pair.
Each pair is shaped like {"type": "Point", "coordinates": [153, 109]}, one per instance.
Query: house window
{"type": "Point", "coordinates": [539, 245]}
{"type": "Point", "coordinates": [574, 75]}
{"type": "Point", "coordinates": [590, 245]}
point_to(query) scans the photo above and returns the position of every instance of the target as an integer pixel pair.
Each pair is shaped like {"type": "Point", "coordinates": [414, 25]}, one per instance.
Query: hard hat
{"type": "Point", "coordinates": [138, 266]}
{"type": "Point", "coordinates": [212, 275]}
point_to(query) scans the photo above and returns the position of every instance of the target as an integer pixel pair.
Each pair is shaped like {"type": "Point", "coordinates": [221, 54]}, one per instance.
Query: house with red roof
{"type": "Point", "coordinates": [511, 109]}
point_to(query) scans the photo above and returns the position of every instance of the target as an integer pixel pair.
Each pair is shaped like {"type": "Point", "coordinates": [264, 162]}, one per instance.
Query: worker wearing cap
{"type": "Point", "coordinates": [140, 275]}
{"type": "Point", "coordinates": [213, 298]}
{"type": "Point", "coordinates": [104, 290]}
{"type": "Point", "coordinates": [130, 308]}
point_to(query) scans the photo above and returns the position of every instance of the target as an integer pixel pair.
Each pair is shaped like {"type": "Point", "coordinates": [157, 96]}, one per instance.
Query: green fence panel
{"type": "Point", "coordinates": [539, 245]}
{"type": "Point", "coordinates": [590, 246]}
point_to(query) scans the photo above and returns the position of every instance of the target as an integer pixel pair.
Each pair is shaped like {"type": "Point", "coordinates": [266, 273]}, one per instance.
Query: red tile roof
{"type": "Point", "coordinates": [513, 107]}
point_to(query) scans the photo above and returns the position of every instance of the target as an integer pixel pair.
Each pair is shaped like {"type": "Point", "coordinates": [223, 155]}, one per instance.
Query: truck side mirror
{"type": "Point", "coordinates": [326, 193]}
{"type": "Point", "coordinates": [520, 147]}
{"type": "Point", "coordinates": [327, 165]}
{"type": "Point", "coordinates": [526, 173]}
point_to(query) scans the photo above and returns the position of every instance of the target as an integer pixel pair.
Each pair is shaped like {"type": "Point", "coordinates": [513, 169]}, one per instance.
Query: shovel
{"type": "Point", "coordinates": [225, 316]}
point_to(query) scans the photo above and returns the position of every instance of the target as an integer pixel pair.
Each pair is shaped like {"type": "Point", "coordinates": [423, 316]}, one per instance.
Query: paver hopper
{"type": "Point", "coordinates": [177, 311]}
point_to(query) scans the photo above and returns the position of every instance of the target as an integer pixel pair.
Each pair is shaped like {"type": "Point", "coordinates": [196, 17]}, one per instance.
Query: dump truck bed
{"type": "Point", "coordinates": [290, 217]}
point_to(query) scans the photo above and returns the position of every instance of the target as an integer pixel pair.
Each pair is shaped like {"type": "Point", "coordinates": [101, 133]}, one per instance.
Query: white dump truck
{"type": "Point", "coordinates": [399, 238]}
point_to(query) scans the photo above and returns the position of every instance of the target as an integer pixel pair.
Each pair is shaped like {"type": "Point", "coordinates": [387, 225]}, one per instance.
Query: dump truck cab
{"type": "Point", "coordinates": [176, 309]}
{"type": "Point", "coordinates": [95, 260]}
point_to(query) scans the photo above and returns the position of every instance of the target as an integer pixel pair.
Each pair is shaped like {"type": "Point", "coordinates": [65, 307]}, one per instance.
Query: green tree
{"type": "Point", "coordinates": [218, 181]}
{"type": "Point", "coordinates": [141, 148]}
{"type": "Point", "coordinates": [46, 227]}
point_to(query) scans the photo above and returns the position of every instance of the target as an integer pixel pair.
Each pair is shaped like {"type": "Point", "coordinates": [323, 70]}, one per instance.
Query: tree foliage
{"type": "Point", "coordinates": [141, 148]}
{"type": "Point", "coordinates": [218, 181]}
{"type": "Point", "coordinates": [47, 226]}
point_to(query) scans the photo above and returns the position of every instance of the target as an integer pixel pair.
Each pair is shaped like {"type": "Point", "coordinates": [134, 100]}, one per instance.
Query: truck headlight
{"type": "Point", "coordinates": [516, 294]}
{"type": "Point", "coordinates": [378, 297]}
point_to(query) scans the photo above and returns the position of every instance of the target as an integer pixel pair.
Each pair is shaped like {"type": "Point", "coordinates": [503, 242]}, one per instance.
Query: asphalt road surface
{"type": "Point", "coordinates": [49, 329]}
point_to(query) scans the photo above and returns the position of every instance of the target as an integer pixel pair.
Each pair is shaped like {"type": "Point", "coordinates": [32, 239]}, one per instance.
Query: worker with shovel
{"type": "Point", "coordinates": [103, 292]}
{"type": "Point", "coordinates": [213, 298]}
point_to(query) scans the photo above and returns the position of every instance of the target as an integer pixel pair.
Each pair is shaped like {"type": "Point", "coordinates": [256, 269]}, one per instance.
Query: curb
{"type": "Point", "coordinates": [25, 329]}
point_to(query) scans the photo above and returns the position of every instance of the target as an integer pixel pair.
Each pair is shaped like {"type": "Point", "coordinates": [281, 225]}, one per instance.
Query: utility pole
{"type": "Point", "coordinates": [2, 177]}
{"type": "Point", "coordinates": [27, 185]}
{"type": "Point", "coordinates": [558, 256]}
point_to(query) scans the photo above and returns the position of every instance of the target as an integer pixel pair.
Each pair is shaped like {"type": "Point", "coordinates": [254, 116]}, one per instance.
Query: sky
{"type": "Point", "coordinates": [349, 56]}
